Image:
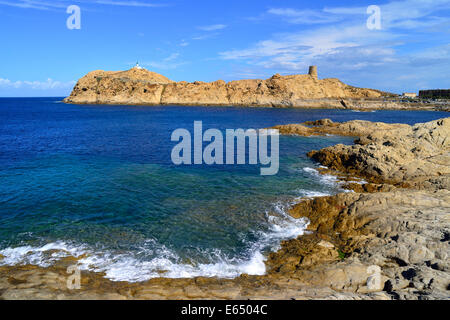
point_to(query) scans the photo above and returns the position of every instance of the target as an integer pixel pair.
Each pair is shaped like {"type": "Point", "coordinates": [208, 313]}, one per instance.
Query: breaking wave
{"type": "Point", "coordinates": [153, 260]}
{"type": "Point", "coordinates": [129, 267]}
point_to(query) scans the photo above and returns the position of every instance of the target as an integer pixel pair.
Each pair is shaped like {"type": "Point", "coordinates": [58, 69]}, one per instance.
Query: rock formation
{"type": "Point", "coordinates": [405, 154]}
{"type": "Point", "coordinates": [399, 224]}
{"type": "Point", "coordinates": [403, 232]}
{"type": "Point", "coordinates": [384, 153]}
{"type": "Point", "coordinates": [354, 128]}
{"type": "Point", "coordinates": [140, 86]}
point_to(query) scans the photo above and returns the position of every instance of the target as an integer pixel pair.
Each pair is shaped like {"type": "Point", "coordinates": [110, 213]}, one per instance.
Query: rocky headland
{"type": "Point", "coordinates": [389, 239]}
{"type": "Point", "coordinates": [397, 154]}
{"type": "Point", "coordinates": [139, 86]}
{"type": "Point", "coordinates": [399, 220]}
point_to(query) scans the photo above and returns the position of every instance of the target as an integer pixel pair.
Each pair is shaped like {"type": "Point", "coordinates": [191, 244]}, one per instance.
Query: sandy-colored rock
{"type": "Point", "coordinates": [140, 86]}
{"type": "Point", "coordinates": [385, 153]}
{"type": "Point", "coordinates": [137, 86]}
{"type": "Point", "coordinates": [354, 128]}
{"type": "Point", "coordinates": [401, 232]}
{"type": "Point", "coordinates": [404, 155]}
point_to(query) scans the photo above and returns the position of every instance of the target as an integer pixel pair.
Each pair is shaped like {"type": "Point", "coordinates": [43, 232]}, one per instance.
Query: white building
{"type": "Point", "coordinates": [137, 66]}
{"type": "Point", "coordinates": [409, 95]}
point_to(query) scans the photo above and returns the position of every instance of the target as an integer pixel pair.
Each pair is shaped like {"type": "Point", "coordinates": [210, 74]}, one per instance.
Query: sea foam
{"type": "Point", "coordinates": [128, 266]}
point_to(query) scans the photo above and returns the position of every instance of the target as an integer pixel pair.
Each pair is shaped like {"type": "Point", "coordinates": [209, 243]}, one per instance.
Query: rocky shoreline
{"type": "Point", "coordinates": [139, 86]}
{"type": "Point", "coordinates": [390, 239]}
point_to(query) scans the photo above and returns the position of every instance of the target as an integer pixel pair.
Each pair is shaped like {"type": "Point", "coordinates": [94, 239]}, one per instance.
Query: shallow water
{"type": "Point", "coordinates": [99, 180]}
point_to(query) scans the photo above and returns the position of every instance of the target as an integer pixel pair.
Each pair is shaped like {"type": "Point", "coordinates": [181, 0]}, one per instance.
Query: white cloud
{"type": "Point", "coordinates": [213, 27]}
{"type": "Point", "coordinates": [36, 85]}
{"type": "Point", "coordinates": [130, 3]}
{"type": "Point", "coordinates": [211, 31]}
{"type": "Point", "coordinates": [401, 14]}
{"type": "Point", "coordinates": [62, 4]}
{"type": "Point", "coordinates": [209, 35]}
{"type": "Point", "coordinates": [32, 4]}
{"type": "Point", "coordinates": [304, 16]}
{"type": "Point", "coordinates": [170, 62]}
{"type": "Point", "coordinates": [172, 57]}
{"type": "Point", "coordinates": [348, 48]}
{"type": "Point", "coordinates": [306, 45]}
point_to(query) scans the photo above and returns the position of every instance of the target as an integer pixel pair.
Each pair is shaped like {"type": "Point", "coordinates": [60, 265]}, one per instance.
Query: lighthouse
{"type": "Point", "coordinates": [137, 66]}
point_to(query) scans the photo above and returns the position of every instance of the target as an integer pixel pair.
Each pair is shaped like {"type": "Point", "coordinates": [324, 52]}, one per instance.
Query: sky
{"type": "Point", "coordinates": [205, 40]}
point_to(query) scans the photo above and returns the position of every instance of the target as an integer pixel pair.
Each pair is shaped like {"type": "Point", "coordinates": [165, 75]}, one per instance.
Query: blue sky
{"type": "Point", "coordinates": [208, 40]}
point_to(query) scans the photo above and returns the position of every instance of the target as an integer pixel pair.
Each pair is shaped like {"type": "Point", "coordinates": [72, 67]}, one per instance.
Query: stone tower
{"type": "Point", "coordinates": [313, 72]}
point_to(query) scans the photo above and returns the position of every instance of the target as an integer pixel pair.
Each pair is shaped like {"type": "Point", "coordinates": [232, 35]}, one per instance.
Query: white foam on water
{"type": "Point", "coordinates": [367, 111]}
{"type": "Point", "coordinates": [326, 179]}
{"type": "Point", "coordinates": [43, 256]}
{"type": "Point", "coordinates": [131, 267]}
{"type": "Point", "coordinates": [309, 194]}
{"type": "Point", "coordinates": [128, 267]}
{"type": "Point", "coordinates": [359, 181]}
{"type": "Point", "coordinates": [168, 265]}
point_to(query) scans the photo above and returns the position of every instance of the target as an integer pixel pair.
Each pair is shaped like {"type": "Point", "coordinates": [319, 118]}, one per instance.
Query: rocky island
{"type": "Point", "coordinates": [139, 86]}
{"type": "Point", "coordinates": [389, 239]}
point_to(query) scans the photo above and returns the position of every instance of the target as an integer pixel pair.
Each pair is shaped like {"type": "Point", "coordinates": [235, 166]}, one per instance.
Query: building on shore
{"type": "Point", "coordinates": [435, 94]}
{"type": "Point", "coordinates": [409, 95]}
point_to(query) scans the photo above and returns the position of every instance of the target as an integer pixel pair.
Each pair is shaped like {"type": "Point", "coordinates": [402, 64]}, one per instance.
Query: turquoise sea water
{"type": "Point", "coordinates": [98, 180]}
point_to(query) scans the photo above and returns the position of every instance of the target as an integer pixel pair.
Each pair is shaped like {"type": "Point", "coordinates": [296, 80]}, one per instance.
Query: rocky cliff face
{"type": "Point", "coordinates": [140, 86]}
{"type": "Point", "coordinates": [400, 226]}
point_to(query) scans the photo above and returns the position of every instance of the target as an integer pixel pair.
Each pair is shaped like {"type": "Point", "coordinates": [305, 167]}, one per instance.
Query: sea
{"type": "Point", "coordinates": [98, 183]}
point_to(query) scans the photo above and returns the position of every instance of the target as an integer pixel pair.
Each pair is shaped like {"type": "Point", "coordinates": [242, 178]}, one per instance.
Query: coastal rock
{"type": "Point", "coordinates": [354, 128]}
{"type": "Point", "coordinates": [400, 232]}
{"type": "Point", "coordinates": [397, 154]}
{"type": "Point", "coordinates": [403, 155]}
{"type": "Point", "coordinates": [404, 233]}
{"type": "Point", "coordinates": [140, 86]}
{"type": "Point", "coordinates": [135, 85]}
